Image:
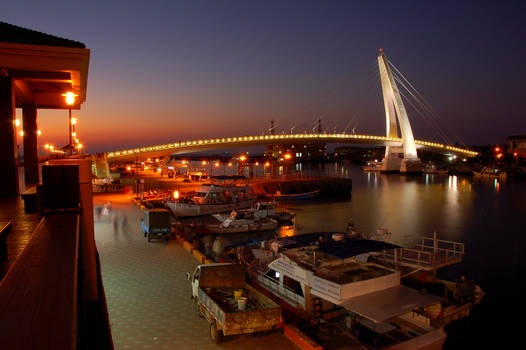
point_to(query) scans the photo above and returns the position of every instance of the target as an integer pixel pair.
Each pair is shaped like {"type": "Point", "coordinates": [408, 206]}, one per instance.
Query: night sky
{"type": "Point", "coordinates": [164, 71]}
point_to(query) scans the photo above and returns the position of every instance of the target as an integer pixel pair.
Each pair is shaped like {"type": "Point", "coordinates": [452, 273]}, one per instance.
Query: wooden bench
{"type": "Point", "coordinates": [5, 229]}
{"type": "Point", "coordinates": [30, 200]}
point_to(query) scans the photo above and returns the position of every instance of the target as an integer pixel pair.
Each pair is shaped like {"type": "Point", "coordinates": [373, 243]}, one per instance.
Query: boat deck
{"type": "Point", "coordinates": [336, 270]}
{"type": "Point", "coordinates": [424, 253]}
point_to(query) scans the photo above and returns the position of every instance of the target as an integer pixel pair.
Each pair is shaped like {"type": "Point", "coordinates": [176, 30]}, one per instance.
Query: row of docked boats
{"type": "Point", "coordinates": [234, 207]}
{"type": "Point", "coordinates": [344, 281]}
{"type": "Point", "coordinates": [212, 198]}
{"type": "Point", "coordinates": [354, 284]}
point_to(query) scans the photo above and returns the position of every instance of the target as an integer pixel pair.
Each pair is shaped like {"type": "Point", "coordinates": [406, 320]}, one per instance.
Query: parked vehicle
{"type": "Point", "coordinates": [229, 303]}
{"type": "Point", "coordinates": [156, 223]}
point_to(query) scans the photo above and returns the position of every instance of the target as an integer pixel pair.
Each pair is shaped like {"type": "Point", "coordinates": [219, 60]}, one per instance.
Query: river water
{"type": "Point", "coordinates": [489, 216]}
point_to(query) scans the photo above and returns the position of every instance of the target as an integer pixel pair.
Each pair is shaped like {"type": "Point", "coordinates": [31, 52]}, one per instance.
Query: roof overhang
{"type": "Point", "coordinates": [388, 303]}
{"type": "Point", "coordinates": [41, 73]}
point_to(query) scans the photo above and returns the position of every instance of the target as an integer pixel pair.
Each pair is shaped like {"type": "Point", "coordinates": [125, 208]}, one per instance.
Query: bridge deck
{"type": "Point", "coordinates": [242, 141]}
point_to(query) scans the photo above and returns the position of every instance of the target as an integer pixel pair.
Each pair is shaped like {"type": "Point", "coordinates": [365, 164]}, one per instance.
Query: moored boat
{"type": "Point", "coordinates": [236, 222]}
{"type": "Point", "coordinates": [212, 198]}
{"type": "Point", "coordinates": [492, 173]}
{"type": "Point", "coordinates": [268, 210]}
{"type": "Point", "coordinates": [328, 279]}
{"type": "Point", "coordinates": [296, 196]}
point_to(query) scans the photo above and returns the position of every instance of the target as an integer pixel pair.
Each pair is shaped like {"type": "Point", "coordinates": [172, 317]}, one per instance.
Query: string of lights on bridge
{"type": "Point", "coordinates": [291, 137]}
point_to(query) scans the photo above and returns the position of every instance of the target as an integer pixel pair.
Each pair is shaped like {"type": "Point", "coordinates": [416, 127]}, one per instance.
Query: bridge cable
{"type": "Point", "coordinates": [432, 112]}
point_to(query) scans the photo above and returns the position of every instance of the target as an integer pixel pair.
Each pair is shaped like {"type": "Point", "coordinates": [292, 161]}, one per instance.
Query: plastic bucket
{"type": "Point", "coordinates": [238, 293]}
{"type": "Point", "coordinates": [241, 303]}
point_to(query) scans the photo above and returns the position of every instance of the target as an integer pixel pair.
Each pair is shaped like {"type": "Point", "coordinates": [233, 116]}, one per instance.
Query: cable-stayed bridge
{"type": "Point", "coordinates": [400, 145]}
{"type": "Point", "coordinates": [244, 141]}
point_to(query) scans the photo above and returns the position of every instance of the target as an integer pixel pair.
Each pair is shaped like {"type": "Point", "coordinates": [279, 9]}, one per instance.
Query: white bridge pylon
{"type": "Point", "coordinates": [396, 117]}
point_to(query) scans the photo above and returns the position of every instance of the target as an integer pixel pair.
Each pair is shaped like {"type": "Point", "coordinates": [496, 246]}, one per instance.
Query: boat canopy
{"type": "Point", "coordinates": [352, 247]}
{"type": "Point", "coordinates": [388, 303]}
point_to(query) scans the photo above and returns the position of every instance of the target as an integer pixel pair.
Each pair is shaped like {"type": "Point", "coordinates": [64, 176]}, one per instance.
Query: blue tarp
{"type": "Point", "coordinates": [353, 247]}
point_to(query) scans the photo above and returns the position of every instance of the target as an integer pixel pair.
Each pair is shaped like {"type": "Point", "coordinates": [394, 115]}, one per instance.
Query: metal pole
{"type": "Point", "coordinates": [69, 122]}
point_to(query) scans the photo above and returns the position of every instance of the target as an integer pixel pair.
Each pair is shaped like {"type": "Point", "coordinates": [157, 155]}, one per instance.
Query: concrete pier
{"type": "Point", "coordinates": [147, 292]}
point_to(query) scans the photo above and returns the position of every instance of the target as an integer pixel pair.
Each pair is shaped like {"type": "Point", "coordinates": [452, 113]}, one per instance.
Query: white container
{"type": "Point", "coordinates": [241, 303]}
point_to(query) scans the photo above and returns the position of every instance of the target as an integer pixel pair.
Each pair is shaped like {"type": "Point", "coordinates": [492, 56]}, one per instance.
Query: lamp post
{"type": "Point", "coordinates": [70, 100]}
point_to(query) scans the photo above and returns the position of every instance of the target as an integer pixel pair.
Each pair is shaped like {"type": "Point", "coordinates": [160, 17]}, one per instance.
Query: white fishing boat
{"type": "Point", "coordinates": [268, 210]}
{"type": "Point", "coordinates": [212, 198]}
{"type": "Point", "coordinates": [329, 279]}
{"type": "Point", "coordinates": [236, 222]}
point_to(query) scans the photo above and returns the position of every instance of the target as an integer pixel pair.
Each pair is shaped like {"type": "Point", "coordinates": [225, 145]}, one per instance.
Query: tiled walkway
{"type": "Point", "coordinates": [147, 292]}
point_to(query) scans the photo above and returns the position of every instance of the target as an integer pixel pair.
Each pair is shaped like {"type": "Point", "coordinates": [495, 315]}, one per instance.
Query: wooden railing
{"type": "Point", "coordinates": [38, 296]}
{"type": "Point", "coordinates": [52, 296]}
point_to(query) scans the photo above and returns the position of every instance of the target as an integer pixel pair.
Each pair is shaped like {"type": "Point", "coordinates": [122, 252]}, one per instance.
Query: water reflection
{"type": "Point", "coordinates": [405, 205]}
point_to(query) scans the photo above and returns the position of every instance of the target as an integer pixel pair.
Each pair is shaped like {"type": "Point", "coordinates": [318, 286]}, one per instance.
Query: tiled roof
{"type": "Point", "coordinates": [17, 35]}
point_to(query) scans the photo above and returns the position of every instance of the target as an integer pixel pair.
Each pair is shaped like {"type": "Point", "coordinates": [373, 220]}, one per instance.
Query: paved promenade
{"type": "Point", "coordinates": [147, 292]}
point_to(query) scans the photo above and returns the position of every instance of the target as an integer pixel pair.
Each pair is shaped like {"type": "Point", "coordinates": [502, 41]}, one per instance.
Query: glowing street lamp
{"type": "Point", "coordinates": [70, 100]}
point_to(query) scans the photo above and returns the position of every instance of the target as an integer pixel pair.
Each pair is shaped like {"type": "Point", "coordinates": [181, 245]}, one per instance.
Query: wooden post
{"type": "Point", "coordinates": [8, 150]}
{"type": "Point", "coordinates": [29, 114]}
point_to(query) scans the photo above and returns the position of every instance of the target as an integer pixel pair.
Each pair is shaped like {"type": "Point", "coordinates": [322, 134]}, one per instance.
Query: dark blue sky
{"type": "Point", "coordinates": [164, 71]}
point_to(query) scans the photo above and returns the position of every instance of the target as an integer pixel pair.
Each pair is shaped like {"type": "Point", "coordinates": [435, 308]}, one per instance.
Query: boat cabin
{"type": "Point", "coordinates": [215, 194]}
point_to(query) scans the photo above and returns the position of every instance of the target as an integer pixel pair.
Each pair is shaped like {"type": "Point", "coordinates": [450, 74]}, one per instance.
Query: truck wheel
{"type": "Point", "coordinates": [215, 334]}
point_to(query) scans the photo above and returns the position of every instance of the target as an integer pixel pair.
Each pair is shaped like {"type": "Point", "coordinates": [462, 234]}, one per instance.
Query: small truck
{"type": "Point", "coordinates": [229, 303]}
{"type": "Point", "coordinates": [157, 223]}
